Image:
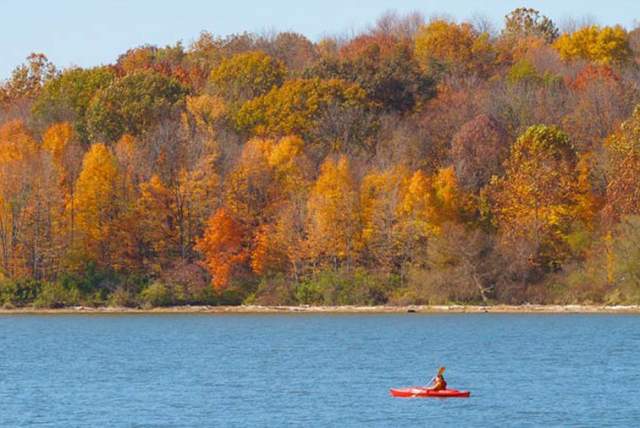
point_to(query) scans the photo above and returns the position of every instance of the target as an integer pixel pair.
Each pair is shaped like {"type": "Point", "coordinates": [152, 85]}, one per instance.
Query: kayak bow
{"type": "Point", "coordinates": [420, 392]}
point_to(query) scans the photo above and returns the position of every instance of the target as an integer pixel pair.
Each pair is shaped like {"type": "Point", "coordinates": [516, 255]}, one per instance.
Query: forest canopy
{"type": "Point", "coordinates": [419, 161]}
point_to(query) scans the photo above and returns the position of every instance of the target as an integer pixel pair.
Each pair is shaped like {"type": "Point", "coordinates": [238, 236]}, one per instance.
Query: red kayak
{"type": "Point", "coordinates": [421, 392]}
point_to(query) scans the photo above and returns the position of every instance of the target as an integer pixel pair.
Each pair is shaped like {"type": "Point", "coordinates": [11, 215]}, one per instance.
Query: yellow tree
{"type": "Point", "coordinates": [97, 204]}
{"type": "Point", "coordinates": [280, 244]}
{"type": "Point", "coordinates": [536, 202]}
{"type": "Point", "coordinates": [449, 201]}
{"type": "Point", "coordinates": [62, 143]}
{"type": "Point", "coordinates": [290, 165]}
{"type": "Point", "coordinates": [455, 47]}
{"type": "Point", "coordinates": [245, 76]}
{"type": "Point", "coordinates": [603, 45]}
{"type": "Point", "coordinates": [270, 180]}
{"type": "Point", "coordinates": [333, 114]}
{"type": "Point", "coordinates": [333, 214]}
{"type": "Point", "coordinates": [381, 194]}
{"type": "Point", "coordinates": [427, 204]}
{"type": "Point", "coordinates": [250, 193]}
{"type": "Point", "coordinates": [623, 170]}
{"type": "Point", "coordinates": [20, 182]}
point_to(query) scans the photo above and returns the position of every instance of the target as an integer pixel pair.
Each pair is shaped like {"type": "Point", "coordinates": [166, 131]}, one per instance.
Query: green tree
{"type": "Point", "coordinates": [394, 81]}
{"type": "Point", "coordinates": [133, 105]}
{"type": "Point", "coordinates": [245, 76]}
{"type": "Point", "coordinates": [67, 97]}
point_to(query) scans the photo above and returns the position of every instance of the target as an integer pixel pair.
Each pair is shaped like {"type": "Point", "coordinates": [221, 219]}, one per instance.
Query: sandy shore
{"type": "Point", "coordinates": [253, 309]}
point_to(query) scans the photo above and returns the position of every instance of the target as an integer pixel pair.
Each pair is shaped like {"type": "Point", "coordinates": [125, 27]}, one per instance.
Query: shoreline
{"type": "Point", "coordinates": [418, 309]}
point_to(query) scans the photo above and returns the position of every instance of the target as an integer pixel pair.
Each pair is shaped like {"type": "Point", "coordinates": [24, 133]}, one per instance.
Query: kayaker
{"type": "Point", "coordinates": [438, 384]}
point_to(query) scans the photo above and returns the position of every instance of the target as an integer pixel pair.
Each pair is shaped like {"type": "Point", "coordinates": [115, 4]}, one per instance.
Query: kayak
{"type": "Point", "coordinates": [420, 392]}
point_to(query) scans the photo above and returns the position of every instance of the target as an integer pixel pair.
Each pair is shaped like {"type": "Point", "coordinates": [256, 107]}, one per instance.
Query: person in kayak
{"type": "Point", "coordinates": [438, 383]}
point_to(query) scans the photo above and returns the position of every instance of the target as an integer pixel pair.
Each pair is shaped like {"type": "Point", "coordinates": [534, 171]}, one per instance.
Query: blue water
{"type": "Point", "coordinates": [317, 370]}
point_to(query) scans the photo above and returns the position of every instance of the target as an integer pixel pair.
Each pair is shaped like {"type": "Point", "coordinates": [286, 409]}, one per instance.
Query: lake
{"type": "Point", "coordinates": [317, 369]}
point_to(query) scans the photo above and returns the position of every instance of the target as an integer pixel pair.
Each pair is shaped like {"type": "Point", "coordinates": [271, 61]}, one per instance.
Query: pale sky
{"type": "Point", "coordinates": [89, 32]}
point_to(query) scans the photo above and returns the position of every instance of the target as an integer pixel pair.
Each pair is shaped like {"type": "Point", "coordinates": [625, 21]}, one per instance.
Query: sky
{"type": "Point", "coordinates": [91, 32]}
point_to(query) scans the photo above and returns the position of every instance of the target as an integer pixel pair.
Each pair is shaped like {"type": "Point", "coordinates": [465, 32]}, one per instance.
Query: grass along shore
{"type": "Point", "coordinates": [256, 309]}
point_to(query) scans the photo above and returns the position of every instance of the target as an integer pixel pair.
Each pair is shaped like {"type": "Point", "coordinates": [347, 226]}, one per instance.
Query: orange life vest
{"type": "Point", "coordinates": [440, 384]}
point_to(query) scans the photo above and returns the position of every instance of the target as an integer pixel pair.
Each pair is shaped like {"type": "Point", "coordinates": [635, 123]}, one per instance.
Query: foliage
{"type": "Point", "coordinates": [331, 111]}
{"type": "Point", "coordinates": [27, 80]}
{"type": "Point", "coordinates": [386, 70]}
{"type": "Point", "coordinates": [343, 288]}
{"type": "Point", "coordinates": [333, 214]}
{"type": "Point", "coordinates": [602, 45]}
{"type": "Point", "coordinates": [96, 203]}
{"type": "Point", "coordinates": [412, 162]}
{"type": "Point", "coordinates": [535, 201]}
{"type": "Point", "coordinates": [527, 22]}
{"type": "Point", "coordinates": [222, 247]}
{"type": "Point", "coordinates": [623, 149]}
{"type": "Point", "coordinates": [443, 46]}
{"type": "Point", "coordinates": [245, 76]}
{"type": "Point", "coordinates": [132, 105]}
{"type": "Point", "coordinates": [478, 150]}
{"type": "Point", "coordinates": [54, 295]}
{"type": "Point", "coordinates": [155, 294]}
{"type": "Point", "coordinates": [67, 96]}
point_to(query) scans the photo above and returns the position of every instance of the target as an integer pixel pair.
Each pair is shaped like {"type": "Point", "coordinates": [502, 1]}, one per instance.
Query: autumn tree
{"type": "Point", "coordinates": [443, 116]}
{"type": "Point", "coordinates": [27, 80]}
{"type": "Point", "coordinates": [527, 22]}
{"type": "Point", "coordinates": [600, 101]}
{"type": "Point", "coordinates": [18, 188]}
{"type": "Point", "coordinates": [415, 226]}
{"type": "Point", "coordinates": [385, 69]}
{"type": "Point", "coordinates": [381, 194]}
{"type": "Point", "coordinates": [250, 186]}
{"type": "Point", "coordinates": [455, 48]}
{"type": "Point", "coordinates": [246, 76]}
{"type": "Point", "coordinates": [535, 201]}
{"type": "Point", "coordinates": [222, 247]}
{"type": "Point", "coordinates": [478, 150]}
{"type": "Point", "coordinates": [270, 180]}
{"type": "Point", "coordinates": [331, 112]}
{"type": "Point", "coordinates": [623, 185]}
{"type": "Point", "coordinates": [97, 204]}
{"type": "Point", "coordinates": [602, 45]}
{"type": "Point", "coordinates": [280, 245]}
{"type": "Point", "coordinates": [64, 147]}
{"type": "Point", "coordinates": [167, 61]}
{"type": "Point", "coordinates": [294, 50]}
{"type": "Point", "coordinates": [333, 211]}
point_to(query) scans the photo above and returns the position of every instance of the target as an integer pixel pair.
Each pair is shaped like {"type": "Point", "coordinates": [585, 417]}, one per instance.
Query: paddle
{"type": "Point", "coordinates": [414, 395]}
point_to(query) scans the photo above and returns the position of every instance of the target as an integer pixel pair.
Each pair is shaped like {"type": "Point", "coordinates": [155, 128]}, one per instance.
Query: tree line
{"type": "Point", "coordinates": [417, 162]}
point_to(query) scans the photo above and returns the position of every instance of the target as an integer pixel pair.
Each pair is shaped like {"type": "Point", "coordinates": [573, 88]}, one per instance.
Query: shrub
{"type": "Point", "coordinates": [54, 295]}
{"type": "Point", "coordinates": [121, 297]}
{"type": "Point", "coordinates": [20, 292]}
{"type": "Point", "coordinates": [345, 288]}
{"type": "Point", "coordinates": [277, 290]}
{"type": "Point", "coordinates": [155, 295]}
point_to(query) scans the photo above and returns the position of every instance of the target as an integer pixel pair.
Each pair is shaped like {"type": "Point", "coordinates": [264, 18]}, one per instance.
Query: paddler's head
{"type": "Point", "coordinates": [441, 371]}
